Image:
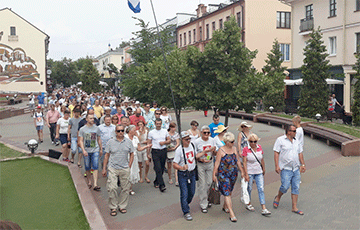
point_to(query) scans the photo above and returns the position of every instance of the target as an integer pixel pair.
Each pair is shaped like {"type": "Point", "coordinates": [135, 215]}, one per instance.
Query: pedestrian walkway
{"type": "Point", "coordinates": [329, 192]}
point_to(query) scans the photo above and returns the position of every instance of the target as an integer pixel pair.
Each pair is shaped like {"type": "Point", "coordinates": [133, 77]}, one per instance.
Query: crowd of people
{"type": "Point", "coordinates": [123, 137]}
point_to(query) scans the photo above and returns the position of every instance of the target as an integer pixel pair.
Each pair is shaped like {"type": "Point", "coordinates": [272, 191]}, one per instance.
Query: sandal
{"type": "Point", "coordinates": [72, 161]}
{"type": "Point", "coordinates": [233, 219]}
{"type": "Point", "coordinates": [250, 207]}
{"type": "Point", "coordinates": [89, 185]}
{"type": "Point", "coordinates": [97, 188]}
{"type": "Point", "coordinates": [147, 180]}
{"type": "Point", "coordinates": [275, 204]}
{"type": "Point", "coordinates": [298, 212]}
{"type": "Point", "coordinates": [226, 210]}
{"type": "Point", "coordinates": [171, 181]}
{"type": "Point", "coordinates": [132, 192]}
{"type": "Point", "coordinates": [79, 165]}
{"type": "Point", "coordinates": [265, 212]}
{"type": "Point", "coordinates": [122, 211]}
{"type": "Point", "coordinates": [113, 212]}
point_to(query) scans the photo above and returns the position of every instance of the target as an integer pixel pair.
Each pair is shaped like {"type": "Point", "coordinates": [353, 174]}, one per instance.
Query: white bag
{"type": "Point", "coordinates": [244, 192]}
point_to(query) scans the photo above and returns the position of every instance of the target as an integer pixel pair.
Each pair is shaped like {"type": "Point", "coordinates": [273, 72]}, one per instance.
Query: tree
{"type": "Point", "coordinates": [123, 44]}
{"type": "Point", "coordinates": [314, 93]}
{"type": "Point", "coordinates": [89, 77]}
{"type": "Point", "coordinates": [227, 68]}
{"type": "Point", "coordinates": [63, 72]}
{"type": "Point", "coordinates": [274, 79]}
{"type": "Point", "coordinates": [356, 106]}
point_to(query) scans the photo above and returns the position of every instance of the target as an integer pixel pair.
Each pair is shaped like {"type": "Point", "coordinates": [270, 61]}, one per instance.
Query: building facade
{"type": "Point", "coordinates": [339, 21]}
{"type": "Point", "coordinates": [23, 51]}
{"type": "Point", "coordinates": [261, 22]}
{"type": "Point", "coordinates": [118, 57]}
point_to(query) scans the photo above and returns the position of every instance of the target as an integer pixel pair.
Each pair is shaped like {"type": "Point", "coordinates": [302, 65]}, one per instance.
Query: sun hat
{"type": "Point", "coordinates": [221, 128]}
{"type": "Point", "coordinates": [185, 134]}
{"type": "Point", "coordinates": [137, 102]}
{"type": "Point", "coordinates": [244, 123]}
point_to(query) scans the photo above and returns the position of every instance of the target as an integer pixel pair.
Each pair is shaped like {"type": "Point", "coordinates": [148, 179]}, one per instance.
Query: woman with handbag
{"type": "Point", "coordinates": [254, 167]}
{"type": "Point", "coordinates": [226, 168]}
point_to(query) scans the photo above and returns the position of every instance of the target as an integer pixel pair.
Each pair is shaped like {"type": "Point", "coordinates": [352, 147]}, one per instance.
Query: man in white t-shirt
{"type": "Point", "coordinates": [205, 145]}
{"type": "Point", "coordinates": [186, 172]}
{"type": "Point", "coordinates": [299, 130]}
{"type": "Point", "coordinates": [159, 138]}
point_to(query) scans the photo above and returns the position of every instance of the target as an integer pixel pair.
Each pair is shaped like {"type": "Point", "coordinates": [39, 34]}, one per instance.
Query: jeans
{"type": "Point", "coordinates": [52, 131]}
{"type": "Point", "coordinates": [289, 177]}
{"type": "Point", "coordinates": [259, 180]}
{"type": "Point", "coordinates": [187, 191]}
{"type": "Point", "coordinates": [91, 161]}
{"type": "Point", "coordinates": [159, 156]}
{"type": "Point", "coordinates": [74, 145]}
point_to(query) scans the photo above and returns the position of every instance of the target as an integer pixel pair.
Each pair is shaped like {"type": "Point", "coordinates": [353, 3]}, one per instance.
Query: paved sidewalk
{"type": "Point", "coordinates": [329, 193]}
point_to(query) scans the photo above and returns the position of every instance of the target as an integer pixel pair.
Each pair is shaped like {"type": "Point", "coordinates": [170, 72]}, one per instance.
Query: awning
{"type": "Point", "coordinates": [300, 82]}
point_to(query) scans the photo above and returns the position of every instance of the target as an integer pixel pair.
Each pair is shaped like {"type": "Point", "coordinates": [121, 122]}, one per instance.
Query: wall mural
{"type": "Point", "coordinates": [15, 66]}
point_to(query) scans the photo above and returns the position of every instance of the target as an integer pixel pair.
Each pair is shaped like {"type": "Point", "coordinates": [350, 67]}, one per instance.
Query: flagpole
{"type": "Point", "coordinates": [167, 70]}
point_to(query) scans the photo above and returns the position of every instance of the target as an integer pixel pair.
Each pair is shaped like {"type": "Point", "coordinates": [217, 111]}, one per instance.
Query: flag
{"type": "Point", "coordinates": [134, 5]}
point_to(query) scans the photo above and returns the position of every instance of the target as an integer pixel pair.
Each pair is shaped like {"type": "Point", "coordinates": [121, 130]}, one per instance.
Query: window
{"type": "Point", "coordinates": [332, 45]}
{"type": "Point", "coordinates": [200, 32]}
{"type": "Point", "coordinates": [283, 20]}
{"type": "Point", "coordinates": [357, 42]}
{"type": "Point", "coordinates": [180, 42]}
{"type": "Point", "coordinates": [332, 8]}
{"type": "Point", "coordinates": [285, 52]}
{"type": "Point", "coordinates": [213, 26]}
{"type": "Point", "coordinates": [12, 30]}
{"type": "Point", "coordinates": [309, 12]}
{"type": "Point", "coordinates": [238, 19]}
{"type": "Point", "coordinates": [185, 39]}
{"type": "Point", "coordinates": [227, 18]}
{"type": "Point", "coordinates": [189, 37]}
{"type": "Point", "coordinates": [207, 31]}
{"type": "Point", "coordinates": [220, 24]}
{"type": "Point", "coordinates": [194, 35]}
{"type": "Point", "coordinates": [357, 5]}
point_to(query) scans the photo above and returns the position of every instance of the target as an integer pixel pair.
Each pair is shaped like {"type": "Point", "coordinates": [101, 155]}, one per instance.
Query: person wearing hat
{"type": "Point", "coordinates": [219, 139]}
{"type": "Point", "coordinates": [137, 106]}
{"type": "Point", "coordinates": [243, 135]}
{"type": "Point", "coordinates": [214, 126]}
{"type": "Point", "coordinates": [39, 122]}
{"type": "Point", "coordinates": [184, 163]}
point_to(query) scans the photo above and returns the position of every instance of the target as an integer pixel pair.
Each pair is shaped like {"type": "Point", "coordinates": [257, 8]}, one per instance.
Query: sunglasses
{"type": "Point", "coordinates": [119, 130]}
{"type": "Point", "coordinates": [187, 139]}
{"type": "Point", "coordinates": [253, 141]}
{"type": "Point", "coordinates": [232, 142]}
{"type": "Point", "coordinates": [292, 131]}
{"type": "Point", "coordinates": [206, 132]}
{"type": "Point", "coordinates": [157, 113]}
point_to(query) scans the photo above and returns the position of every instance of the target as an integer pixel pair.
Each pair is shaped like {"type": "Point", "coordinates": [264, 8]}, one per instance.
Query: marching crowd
{"type": "Point", "coordinates": [123, 137]}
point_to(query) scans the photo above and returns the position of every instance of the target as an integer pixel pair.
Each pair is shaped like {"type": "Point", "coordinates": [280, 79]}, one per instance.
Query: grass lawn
{"type": "Point", "coordinates": [343, 128]}
{"type": "Point", "coordinates": [37, 194]}
{"type": "Point", "coordinates": [3, 99]}
{"type": "Point", "coordinates": [6, 152]}
{"type": "Point", "coordinates": [303, 119]}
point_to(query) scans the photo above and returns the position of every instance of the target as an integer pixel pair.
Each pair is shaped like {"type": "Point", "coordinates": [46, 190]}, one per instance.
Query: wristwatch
{"type": "Point", "coordinates": [303, 165]}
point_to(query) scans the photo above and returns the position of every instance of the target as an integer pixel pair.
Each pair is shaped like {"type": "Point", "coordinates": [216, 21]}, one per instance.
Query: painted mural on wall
{"type": "Point", "coordinates": [15, 66]}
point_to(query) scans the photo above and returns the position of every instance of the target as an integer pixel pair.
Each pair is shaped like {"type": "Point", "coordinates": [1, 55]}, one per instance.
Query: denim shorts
{"type": "Point", "coordinates": [92, 161]}
{"type": "Point", "coordinates": [39, 127]}
{"type": "Point", "coordinates": [63, 138]}
{"type": "Point", "coordinates": [289, 177]}
{"type": "Point", "coordinates": [74, 145]}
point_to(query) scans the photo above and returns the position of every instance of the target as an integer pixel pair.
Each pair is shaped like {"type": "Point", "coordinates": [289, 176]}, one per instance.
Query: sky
{"type": "Point", "coordinates": [78, 28]}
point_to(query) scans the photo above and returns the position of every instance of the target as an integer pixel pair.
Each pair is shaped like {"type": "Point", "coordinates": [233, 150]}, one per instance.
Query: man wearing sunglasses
{"type": "Point", "coordinates": [289, 163]}
{"type": "Point", "coordinates": [205, 146]}
{"type": "Point", "coordinates": [117, 163]}
{"type": "Point", "coordinates": [151, 124]}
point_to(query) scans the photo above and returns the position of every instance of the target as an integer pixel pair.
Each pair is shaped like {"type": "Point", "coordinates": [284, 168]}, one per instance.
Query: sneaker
{"type": "Point", "coordinates": [204, 210]}
{"type": "Point", "coordinates": [57, 143]}
{"type": "Point", "coordinates": [52, 143]}
{"type": "Point", "coordinates": [250, 208]}
{"type": "Point", "coordinates": [209, 205]}
{"type": "Point", "coordinates": [188, 217]}
{"type": "Point", "coordinates": [92, 170]}
{"type": "Point", "coordinates": [265, 212]}
{"type": "Point", "coordinates": [177, 184]}
{"type": "Point", "coordinates": [162, 189]}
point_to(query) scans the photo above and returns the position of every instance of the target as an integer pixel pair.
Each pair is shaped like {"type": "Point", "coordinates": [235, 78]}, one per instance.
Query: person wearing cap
{"type": "Point", "coordinates": [242, 139]}
{"type": "Point", "coordinates": [159, 138]}
{"type": "Point", "coordinates": [134, 119]}
{"type": "Point", "coordinates": [219, 139]}
{"type": "Point", "coordinates": [214, 126]}
{"type": "Point", "coordinates": [184, 163]}
{"type": "Point", "coordinates": [52, 116]}
{"type": "Point", "coordinates": [107, 111]}
{"type": "Point", "coordinates": [137, 106]}
{"type": "Point", "coordinates": [39, 122]}
{"type": "Point", "coordinates": [206, 147]}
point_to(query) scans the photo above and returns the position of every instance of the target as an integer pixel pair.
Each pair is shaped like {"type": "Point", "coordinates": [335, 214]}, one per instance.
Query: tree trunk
{"type": "Point", "coordinates": [226, 117]}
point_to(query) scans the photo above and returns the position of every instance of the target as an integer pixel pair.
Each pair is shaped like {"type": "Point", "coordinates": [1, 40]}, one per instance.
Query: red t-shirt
{"type": "Point", "coordinates": [134, 120]}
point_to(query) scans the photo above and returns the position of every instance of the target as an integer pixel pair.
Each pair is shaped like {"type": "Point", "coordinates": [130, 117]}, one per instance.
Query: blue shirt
{"type": "Point", "coordinates": [41, 98]}
{"type": "Point", "coordinates": [213, 127]}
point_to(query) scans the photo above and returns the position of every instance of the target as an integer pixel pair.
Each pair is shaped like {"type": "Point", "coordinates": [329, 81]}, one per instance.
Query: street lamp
{"type": "Point", "coordinates": [7, 97]}
{"type": "Point", "coordinates": [32, 145]}
{"type": "Point", "coordinates": [318, 116]}
{"type": "Point", "coordinates": [271, 109]}
{"type": "Point", "coordinates": [15, 96]}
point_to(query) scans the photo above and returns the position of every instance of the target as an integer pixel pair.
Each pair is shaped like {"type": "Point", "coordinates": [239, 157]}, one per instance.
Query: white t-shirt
{"type": "Point", "coordinates": [253, 166]}
{"type": "Point", "coordinates": [300, 135]}
{"type": "Point", "coordinates": [190, 154]}
{"type": "Point", "coordinates": [32, 99]}
{"type": "Point", "coordinates": [201, 145]}
{"type": "Point", "coordinates": [39, 118]}
{"type": "Point", "coordinates": [166, 120]}
{"type": "Point", "coordinates": [157, 136]}
{"type": "Point", "coordinates": [64, 125]}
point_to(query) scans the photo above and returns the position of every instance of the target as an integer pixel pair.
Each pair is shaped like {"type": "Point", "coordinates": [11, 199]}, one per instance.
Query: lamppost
{"type": "Point", "coordinates": [318, 116]}
{"type": "Point", "coordinates": [271, 109]}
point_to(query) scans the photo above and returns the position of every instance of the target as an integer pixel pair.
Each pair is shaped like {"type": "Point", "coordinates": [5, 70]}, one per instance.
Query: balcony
{"type": "Point", "coordinates": [306, 24]}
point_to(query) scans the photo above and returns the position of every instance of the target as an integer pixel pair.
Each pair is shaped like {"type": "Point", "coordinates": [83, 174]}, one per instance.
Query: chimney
{"type": "Point", "coordinates": [109, 47]}
{"type": "Point", "coordinates": [201, 10]}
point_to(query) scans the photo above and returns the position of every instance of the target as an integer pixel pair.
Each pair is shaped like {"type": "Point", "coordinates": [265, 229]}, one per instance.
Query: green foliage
{"type": "Point", "coordinates": [356, 106]}
{"type": "Point", "coordinates": [112, 69]}
{"type": "Point", "coordinates": [89, 77]}
{"type": "Point", "coordinates": [314, 93]}
{"type": "Point", "coordinates": [273, 84]}
{"type": "Point", "coordinates": [63, 72]}
{"type": "Point", "coordinates": [123, 44]}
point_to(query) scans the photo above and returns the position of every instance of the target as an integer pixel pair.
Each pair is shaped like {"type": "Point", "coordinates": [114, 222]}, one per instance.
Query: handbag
{"type": "Point", "coordinates": [214, 194]}
{"type": "Point", "coordinates": [245, 198]}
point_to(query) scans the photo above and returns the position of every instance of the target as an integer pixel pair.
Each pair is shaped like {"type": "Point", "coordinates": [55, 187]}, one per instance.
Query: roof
{"type": "Point", "coordinates": [110, 52]}
{"type": "Point", "coordinates": [25, 21]}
